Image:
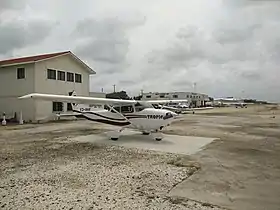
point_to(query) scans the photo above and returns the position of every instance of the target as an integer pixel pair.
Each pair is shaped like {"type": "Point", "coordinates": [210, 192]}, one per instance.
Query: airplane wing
{"type": "Point", "coordinates": [166, 101]}
{"type": "Point", "coordinates": [78, 99]}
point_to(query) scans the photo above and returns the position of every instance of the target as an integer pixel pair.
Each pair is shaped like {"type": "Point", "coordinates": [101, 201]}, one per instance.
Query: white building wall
{"type": "Point", "coordinates": [44, 109]}
{"type": "Point", "coordinates": [11, 88]}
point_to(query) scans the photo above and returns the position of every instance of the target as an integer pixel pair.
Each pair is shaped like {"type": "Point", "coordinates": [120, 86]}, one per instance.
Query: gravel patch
{"type": "Point", "coordinates": [87, 176]}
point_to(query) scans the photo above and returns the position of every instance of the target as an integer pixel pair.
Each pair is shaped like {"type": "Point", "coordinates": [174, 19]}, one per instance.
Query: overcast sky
{"type": "Point", "coordinates": [228, 47]}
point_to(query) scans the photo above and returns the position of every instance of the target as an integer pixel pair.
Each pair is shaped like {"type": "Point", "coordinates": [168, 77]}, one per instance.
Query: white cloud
{"type": "Point", "coordinates": [225, 46]}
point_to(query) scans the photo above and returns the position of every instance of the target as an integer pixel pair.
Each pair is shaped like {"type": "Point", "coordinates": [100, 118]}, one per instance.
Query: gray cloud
{"type": "Point", "coordinates": [227, 47]}
{"type": "Point", "coordinates": [105, 42]}
{"type": "Point", "coordinates": [15, 35]}
{"type": "Point", "coordinates": [17, 32]}
{"type": "Point", "coordinates": [229, 34]}
{"type": "Point", "coordinates": [238, 51]}
{"type": "Point", "coordinates": [12, 5]}
{"type": "Point", "coordinates": [251, 75]}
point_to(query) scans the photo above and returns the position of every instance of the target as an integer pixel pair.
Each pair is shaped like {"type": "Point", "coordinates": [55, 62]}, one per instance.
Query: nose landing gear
{"type": "Point", "coordinates": [157, 135]}
{"type": "Point", "coordinates": [114, 135]}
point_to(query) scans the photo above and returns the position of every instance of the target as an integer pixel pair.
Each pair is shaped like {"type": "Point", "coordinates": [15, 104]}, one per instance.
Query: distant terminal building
{"type": "Point", "coordinates": [195, 99]}
{"type": "Point", "coordinates": [228, 101]}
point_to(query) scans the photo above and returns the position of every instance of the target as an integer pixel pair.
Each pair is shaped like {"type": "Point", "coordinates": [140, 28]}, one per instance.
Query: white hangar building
{"type": "Point", "coordinates": [196, 99]}
{"type": "Point", "coordinates": [56, 73]}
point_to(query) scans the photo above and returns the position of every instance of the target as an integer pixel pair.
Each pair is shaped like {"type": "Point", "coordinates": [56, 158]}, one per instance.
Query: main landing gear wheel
{"type": "Point", "coordinates": [146, 133]}
{"type": "Point", "coordinates": [114, 135]}
{"type": "Point", "coordinates": [157, 136]}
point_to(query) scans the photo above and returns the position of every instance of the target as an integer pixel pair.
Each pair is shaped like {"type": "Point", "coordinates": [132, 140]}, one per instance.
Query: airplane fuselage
{"type": "Point", "coordinates": [140, 115]}
{"type": "Point", "coordinates": [147, 119]}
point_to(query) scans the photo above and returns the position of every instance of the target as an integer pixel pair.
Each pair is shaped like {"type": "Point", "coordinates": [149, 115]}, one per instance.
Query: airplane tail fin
{"type": "Point", "coordinates": [78, 107]}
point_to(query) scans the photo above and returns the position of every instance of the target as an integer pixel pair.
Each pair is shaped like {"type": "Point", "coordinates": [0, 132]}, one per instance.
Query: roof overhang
{"type": "Point", "coordinates": [16, 64]}
{"type": "Point", "coordinates": [90, 70]}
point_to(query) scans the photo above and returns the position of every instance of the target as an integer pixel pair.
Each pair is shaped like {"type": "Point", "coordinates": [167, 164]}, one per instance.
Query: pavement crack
{"type": "Point", "coordinates": [185, 162]}
{"type": "Point", "coordinates": [191, 172]}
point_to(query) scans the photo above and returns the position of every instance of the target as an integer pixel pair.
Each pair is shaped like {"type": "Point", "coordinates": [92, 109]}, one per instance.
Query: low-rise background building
{"type": "Point", "coordinates": [195, 99]}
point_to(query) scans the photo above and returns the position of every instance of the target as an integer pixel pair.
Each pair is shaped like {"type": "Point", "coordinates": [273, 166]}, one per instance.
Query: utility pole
{"type": "Point", "coordinates": [114, 88]}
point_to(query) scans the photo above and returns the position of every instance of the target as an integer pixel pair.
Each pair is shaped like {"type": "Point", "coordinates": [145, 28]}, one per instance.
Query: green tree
{"type": "Point", "coordinates": [118, 95]}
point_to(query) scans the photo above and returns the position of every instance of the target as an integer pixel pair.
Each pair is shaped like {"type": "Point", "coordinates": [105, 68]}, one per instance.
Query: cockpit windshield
{"type": "Point", "coordinates": [139, 106]}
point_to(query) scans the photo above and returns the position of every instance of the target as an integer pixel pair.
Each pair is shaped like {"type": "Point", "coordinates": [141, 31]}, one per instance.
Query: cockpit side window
{"type": "Point", "coordinates": [127, 109]}
{"type": "Point", "coordinates": [123, 109]}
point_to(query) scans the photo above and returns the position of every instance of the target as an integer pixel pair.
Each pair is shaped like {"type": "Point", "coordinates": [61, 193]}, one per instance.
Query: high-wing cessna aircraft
{"type": "Point", "coordinates": [139, 115]}
{"type": "Point", "coordinates": [230, 102]}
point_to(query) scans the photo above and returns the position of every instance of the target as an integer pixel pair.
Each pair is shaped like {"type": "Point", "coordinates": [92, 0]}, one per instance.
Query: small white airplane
{"type": "Point", "coordinates": [139, 115]}
{"type": "Point", "coordinates": [181, 108]}
{"type": "Point", "coordinates": [230, 101]}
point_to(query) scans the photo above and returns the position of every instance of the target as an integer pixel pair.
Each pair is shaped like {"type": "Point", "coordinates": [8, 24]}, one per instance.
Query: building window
{"type": "Point", "coordinates": [20, 73]}
{"type": "Point", "coordinates": [70, 77]}
{"type": "Point", "coordinates": [51, 74]}
{"type": "Point", "coordinates": [78, 78]}
{"type": "Point", "coordinates": [61, 75]}
{"type": "Point", "coordinates": [57, 106]}
{"type": "Point", "coordinates": [175, 96]}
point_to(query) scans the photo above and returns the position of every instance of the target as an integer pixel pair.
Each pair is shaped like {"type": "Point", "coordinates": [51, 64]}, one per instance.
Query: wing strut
{"type": "Point", "coordinates": [120, 114]}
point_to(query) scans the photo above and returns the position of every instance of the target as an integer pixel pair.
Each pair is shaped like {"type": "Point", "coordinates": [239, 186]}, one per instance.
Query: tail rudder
{"type": "Point", "coordinates": [78, 107]}
{"type": "Point", "coordinates": [73, 105]}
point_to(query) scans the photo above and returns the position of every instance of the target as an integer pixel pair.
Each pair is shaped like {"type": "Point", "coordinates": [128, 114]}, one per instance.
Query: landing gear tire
{"type": "Point", "coordinates": [157, 136]}
{"type": "Point", "coordinates": [145, 133]}
{"type": "Point", "coordinates": [114, 135]}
